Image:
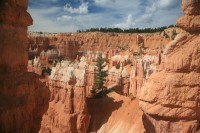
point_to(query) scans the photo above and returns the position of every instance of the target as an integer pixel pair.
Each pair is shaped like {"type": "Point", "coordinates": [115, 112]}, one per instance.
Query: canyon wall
{"type": "Point", "coordinates": [97, 41]}
{"type": "Point", "coordinates": [127, 67]}
{"type": "Point", "coordinates": [71, 83]}
{"type": "Point", "coordinates": [170, 98]}
{"type": "Point", "coordinates": [23, 97]}
{"type": "Point", "coordinates": [139, 50]}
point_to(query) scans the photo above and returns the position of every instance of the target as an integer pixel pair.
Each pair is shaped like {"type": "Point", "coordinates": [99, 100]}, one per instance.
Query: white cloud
{"type": "Point", "coordinates": [148, 14]}
{"type": "Point", "coordinates": [43, 22]}
{"type": "Point", "coordinates": [103, 13]}
{"type": "Point", "coordinates": [82, 9]}
{"type": "Point", "coordinates": [64, 18]}
{"type": "Point", "coordinates": [166, 4]}
{"type": "Point", "coordinates": [103, 1]}
{"type": "Point", "coordinates": [153, 10]}
{"type": "Point", "coordinates": [46, 11]}
{"type": "Point", "coordinates": [127, 24]}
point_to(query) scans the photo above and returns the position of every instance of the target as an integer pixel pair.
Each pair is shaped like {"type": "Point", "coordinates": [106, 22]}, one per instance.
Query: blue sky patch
{"type": "Point", "coordinates": [72, 15]}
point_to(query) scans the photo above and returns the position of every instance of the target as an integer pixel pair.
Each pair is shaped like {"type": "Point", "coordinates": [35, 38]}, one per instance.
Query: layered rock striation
{"type": "Point", "coordinates": [68, 107]}
{"type": "Point", "coordinates": [96, 41]}
{"type": "Point", "coordinates": [170, 98]}
{"type": "Point", "coordinates": [23, 97]}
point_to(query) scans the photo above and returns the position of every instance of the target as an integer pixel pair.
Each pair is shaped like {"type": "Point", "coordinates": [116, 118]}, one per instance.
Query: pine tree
{"type": "Point", "coordinates": [100, 75]}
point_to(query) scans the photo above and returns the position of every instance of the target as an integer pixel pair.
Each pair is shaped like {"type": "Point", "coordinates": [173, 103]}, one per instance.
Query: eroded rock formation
{"type": "Point", "coordinates": [191, 19]}
{"type": "Point", "coordinates": [23, 97]}
{"type": "Point", "coordinates": [68, 107]}
{"type": "Point", "coordinates": [98, 41]}
{"type": "Point", "coordinates": [170, 98]}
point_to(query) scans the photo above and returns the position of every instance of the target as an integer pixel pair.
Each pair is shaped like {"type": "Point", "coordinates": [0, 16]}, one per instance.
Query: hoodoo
{"type": "Point", "coordinates": [170, 98]}
{"type": "Point", "coordinates": [191, 19]}
{"type": "Point", "coordinates": [23, 98]}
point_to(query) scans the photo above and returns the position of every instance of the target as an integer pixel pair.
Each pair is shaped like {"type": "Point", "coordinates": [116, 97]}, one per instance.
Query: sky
{"type": "Point", "coordinates": [72, 15]}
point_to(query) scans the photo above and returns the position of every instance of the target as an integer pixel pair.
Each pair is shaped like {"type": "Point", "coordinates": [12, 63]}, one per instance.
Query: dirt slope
{"type": "Point", "coordinates": [115, 114]}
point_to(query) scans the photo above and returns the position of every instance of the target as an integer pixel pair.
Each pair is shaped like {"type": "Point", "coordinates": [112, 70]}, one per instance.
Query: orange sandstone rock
{"type": "Point", "coordinates": [96, 41]}
{"type": "Point", "coordinates": [170, 98]}
{"type": "Point", "coordinates": [115, 114]}
{"type": "Point", "coordinates": [68, 106]}
{"type": "Point", "coordinates": [23, 97]}
{"type": "Point", "coordinates": [191, 19]}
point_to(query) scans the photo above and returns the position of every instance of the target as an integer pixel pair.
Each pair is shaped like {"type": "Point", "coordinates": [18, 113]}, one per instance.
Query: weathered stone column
{"type": "Point", "coordinates": [170, 99]}
{"type": "Point", "coordinates": [14, 20]}
{"type": "Point", "coordinates": [23, 98]}
{"type": "Point", "coordinates": [191, 19]}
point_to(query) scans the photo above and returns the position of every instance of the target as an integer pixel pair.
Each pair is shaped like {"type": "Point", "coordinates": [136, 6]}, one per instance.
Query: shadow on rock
{"type": "Point", "coordinates": [23, 101]}
{"type": "Point", "coordinates": [148, 125]}
{"type": "Point", "coordinates": [100, 111]}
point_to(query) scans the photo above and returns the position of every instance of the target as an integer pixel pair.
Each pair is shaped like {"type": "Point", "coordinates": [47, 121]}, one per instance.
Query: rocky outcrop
{"type": "Point", "coordinates": [99, 41]}
{"type": "Point", "coordinates": [170, 98]}
{"type": "Point", "coordinates": [191, 7]}
{"type": "Point", "coordinates": [136, 79]}
{"type": "Point", "coordinates": [67, 111]}
{"type": "Point", "coordinates": [14, 20]}
{"type": "Point", "coordinates": [191, 20]}
{"type": "Point", "coordinates": [68, 107]}
{"type": "Point", "coordinates": [23, 97]}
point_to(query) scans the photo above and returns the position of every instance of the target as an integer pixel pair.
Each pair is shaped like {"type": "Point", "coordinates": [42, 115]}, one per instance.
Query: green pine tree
{"type": "Point", "coordinates": [100, 75]}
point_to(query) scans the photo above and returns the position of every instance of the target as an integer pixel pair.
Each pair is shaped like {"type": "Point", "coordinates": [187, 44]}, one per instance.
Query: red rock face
{"type": "Point", "coordinates": [67, 111]}
{"type": "Point", "coordinates": [13, 51]}
{"type": "Point", "coordinates": [23, 97]}
{"type": "Point", "coordinates": [136, 80]}
{"type": "Point", "coordinates": [99, 41]}
{"type": "Point", "coordinates": [170, 98]}
{"type": "Point", "coordinates": [66, 48]}
{"type": "Point", "coordinates": [191, 20]}
{"type": "Point", "coordinates": [191, 7]}
{"type": "Point", "coordinates": [68, 107]}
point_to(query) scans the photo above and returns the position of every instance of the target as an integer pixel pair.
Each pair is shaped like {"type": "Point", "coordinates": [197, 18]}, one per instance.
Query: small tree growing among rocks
{"type": "Point", "coordinates": [100, 75]}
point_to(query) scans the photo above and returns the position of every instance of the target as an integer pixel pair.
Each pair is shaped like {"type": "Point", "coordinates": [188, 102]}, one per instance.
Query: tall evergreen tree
{"type": "Point", "coordinates": [100, 74]}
